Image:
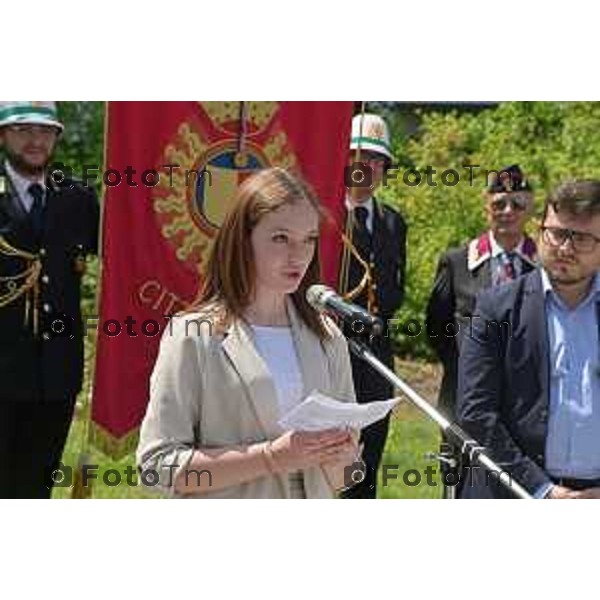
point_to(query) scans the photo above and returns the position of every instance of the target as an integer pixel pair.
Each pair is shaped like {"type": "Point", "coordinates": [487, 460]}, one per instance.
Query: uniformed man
{"type": "Point", "coordinates": [378, 235]}
{"type": "Point", "coordinates": [46, 229]}
{"type": "Point", "coordinates": [500, 254]}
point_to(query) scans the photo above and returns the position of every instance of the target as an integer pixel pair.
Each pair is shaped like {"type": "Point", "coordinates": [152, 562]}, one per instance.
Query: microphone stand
{"type": "Point", "coordinates": [456, 436]}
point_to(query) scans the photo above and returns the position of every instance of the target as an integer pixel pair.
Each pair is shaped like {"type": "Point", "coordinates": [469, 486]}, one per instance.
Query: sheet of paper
{"type": "Point", "coordinates": [319, 411]}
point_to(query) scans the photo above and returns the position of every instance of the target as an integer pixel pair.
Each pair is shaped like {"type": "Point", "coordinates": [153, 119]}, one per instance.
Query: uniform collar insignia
{"type": "Point", "coordinates": [528, 250]}
{"type": "Point", "coordinates": [480, 250]}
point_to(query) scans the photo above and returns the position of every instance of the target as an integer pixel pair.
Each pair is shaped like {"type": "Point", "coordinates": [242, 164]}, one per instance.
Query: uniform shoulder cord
{"type": "Point", "coordinates": [349, 249]}
{"type": "Point", "coordinates": [25, 282]}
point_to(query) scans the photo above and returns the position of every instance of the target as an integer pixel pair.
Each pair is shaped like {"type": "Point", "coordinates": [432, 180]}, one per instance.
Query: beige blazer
{"type": "Point", "coordinates": [215, 390]}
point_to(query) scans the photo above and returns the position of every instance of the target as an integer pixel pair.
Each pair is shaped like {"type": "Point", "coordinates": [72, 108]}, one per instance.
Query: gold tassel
{"type": "Point", "coordinates": [79, 490]}
{"type": "Point", "coordinates": [24, 283]}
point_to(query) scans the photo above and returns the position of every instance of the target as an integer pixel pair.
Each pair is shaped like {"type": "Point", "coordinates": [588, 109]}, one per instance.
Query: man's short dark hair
{"type": "Point", "coordinates": [577, 198]}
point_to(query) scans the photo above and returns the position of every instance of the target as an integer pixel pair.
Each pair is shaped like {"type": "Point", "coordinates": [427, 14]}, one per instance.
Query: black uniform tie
{"type": "Point", "coordinates": [36, 214]}
{"type": "Point", "coordinates": [361, 214]}
{"type": "Point", "coordinates": [362, 235]}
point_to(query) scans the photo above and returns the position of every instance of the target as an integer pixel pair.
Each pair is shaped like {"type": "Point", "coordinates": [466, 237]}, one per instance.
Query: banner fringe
{"type": "Point", "coordinates": [110, 445]}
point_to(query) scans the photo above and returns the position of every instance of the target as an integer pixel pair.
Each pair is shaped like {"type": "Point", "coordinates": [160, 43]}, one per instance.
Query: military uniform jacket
{"type": "Point", "coordinates": [461, 274]}
{"type": "Point", "coordinates": [386, 254]}
{"type": "Point", "coordinates": [35, 362]}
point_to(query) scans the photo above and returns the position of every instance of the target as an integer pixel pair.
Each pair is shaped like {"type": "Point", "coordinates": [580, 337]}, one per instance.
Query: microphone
{"type": "Point", "coordinates": [324, 299]}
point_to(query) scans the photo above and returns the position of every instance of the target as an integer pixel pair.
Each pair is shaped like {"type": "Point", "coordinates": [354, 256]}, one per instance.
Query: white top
{"type": "Point", "coordinates": [276, 347]}
{"type": "Point", "coordinates": [22, 184]}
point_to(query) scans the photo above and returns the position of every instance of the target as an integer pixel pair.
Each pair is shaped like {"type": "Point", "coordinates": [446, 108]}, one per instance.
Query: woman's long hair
{"type": "Point", "coordinates": [231, 271]}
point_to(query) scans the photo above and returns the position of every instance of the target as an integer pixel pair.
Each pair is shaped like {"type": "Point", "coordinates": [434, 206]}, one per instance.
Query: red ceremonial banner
{"type": "Point", "coordinates": [172, 171]}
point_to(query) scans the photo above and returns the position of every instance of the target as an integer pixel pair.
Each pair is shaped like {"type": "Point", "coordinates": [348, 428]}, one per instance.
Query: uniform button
{"type": "Point", "coordinates": [46, 308]}
{"type": "Point", "coordinates": [540, 457]}
{"type": "Point", "coordinates": [42, 251]}
{"type": "Point", "coordinates": [46, 335]}
{"type": "Point", "coordinates": [45, 279]}
{"type": "Point", "coordinates": [374, 286]}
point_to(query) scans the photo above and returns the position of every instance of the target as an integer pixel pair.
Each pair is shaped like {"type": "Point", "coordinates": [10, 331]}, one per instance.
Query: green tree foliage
{"type": "Point", "coordinates": [82, 144]}
{"type": "Point", "coordinates": [552, 141]}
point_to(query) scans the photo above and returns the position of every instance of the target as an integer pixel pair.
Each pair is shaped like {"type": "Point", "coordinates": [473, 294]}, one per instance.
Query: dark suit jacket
{"type": "Point", "coordinates": [45, 367]}
{"type": "Point", "coordinates": [449, 311]}
{"type": "Point", "coordinates": [503, 390]}
{"type": "Point", "coordinates": [386, 255]}
{"type": "Point", "coordinates": [387, 258]}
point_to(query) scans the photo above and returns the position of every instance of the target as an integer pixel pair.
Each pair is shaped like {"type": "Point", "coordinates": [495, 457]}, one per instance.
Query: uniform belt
{"type": "Point", "coordinates": [577, 484]}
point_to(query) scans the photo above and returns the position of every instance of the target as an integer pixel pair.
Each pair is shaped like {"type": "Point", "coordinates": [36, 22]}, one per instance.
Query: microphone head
{"type": "Point", "coordinates": [314, 295]}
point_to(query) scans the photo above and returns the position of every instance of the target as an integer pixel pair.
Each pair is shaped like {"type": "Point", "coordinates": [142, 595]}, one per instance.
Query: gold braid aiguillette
{"type": "Point", "coordinates": [24, 283]}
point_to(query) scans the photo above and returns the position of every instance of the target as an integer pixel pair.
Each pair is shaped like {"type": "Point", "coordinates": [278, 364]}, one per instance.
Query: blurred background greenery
{"type": "Point", "coordinates": [552, 141]}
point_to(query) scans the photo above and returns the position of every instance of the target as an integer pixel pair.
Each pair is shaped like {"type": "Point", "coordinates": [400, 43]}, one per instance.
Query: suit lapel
{"type": "Point", "coordinates": [483, 275]}
{"type": "Point", "coordinates": [310, 355]}
{"type": "Point", "coordinates": [533, 320]}
{"type": "Point", "coordinates": [378, 239]}
{"type": "Point", "coordinates": [476, 280]}
{"type": "Point", "coordinates": [254, 373]}
{"type": "Point", "coordinates": [254, 376]}
{"type": "Point", "coordinates": [258, 383]}
{"type": "Point", "coordinates": [11, 207]}
{"type": "Point", "coordinates": [15, 217]}
{"type": "Point", "coordinates": [52, 207]}
{"type": "Point", "coordinates": [479, 253]}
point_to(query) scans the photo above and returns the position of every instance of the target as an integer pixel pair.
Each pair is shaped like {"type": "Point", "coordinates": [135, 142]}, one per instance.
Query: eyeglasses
{"type": "Point", "coordinates": [582, 241]}
{"type": "Point", "coordinates": [517, 203]}
{"type": "Point", "coordinates": [46, 131]}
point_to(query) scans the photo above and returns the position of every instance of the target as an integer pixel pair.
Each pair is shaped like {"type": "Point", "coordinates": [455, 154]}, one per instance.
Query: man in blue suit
{"type": "Point", "coordinates": [529, 370]}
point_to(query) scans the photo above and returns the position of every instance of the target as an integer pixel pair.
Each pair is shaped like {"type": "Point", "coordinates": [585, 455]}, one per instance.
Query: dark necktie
{"type": "Point", "coordinates": [36, 214]}
{"type": "Point", "coordinates": [363, 235]}
{"type": "Point", "coordinates": [508, 270]}
{"type": "Point", "coordinates": [361, 214]}
{"type": "Point", "coordinates": [361, 240]}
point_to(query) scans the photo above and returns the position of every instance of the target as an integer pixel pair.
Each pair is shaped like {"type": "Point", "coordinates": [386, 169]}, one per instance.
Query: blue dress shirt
{"type": "Point", "coordinates": [573, 440]}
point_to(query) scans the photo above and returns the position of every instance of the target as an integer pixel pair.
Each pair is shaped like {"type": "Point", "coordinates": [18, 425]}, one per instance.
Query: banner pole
{"type": "Point", "coordinates": [349, 224]}
{"type": "Point", "coordinates": [79, 490]}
